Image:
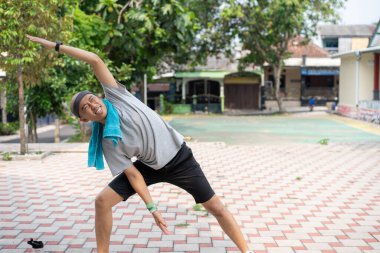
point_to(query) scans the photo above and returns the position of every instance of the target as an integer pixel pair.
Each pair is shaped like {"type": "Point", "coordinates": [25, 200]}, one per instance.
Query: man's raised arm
{"type": "Point", "coordinates": [101, 71]}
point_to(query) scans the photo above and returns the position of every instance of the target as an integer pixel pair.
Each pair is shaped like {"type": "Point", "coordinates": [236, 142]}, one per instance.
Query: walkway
{"type": "Point", "coordinates": [289, 198]}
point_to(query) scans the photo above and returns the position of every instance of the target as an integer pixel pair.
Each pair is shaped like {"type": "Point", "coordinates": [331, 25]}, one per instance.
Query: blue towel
{"type": "Point", "coordinates": [111, 131]}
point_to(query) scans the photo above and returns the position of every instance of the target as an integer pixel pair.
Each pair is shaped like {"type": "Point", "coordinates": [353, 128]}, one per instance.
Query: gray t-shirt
{"type": "Point", "coordinates": [145, 135]}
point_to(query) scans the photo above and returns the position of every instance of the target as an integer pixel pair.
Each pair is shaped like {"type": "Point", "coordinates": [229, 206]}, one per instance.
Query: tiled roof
{"type": "Point", "coordinates": [375, 39]}
{"type": "Point", "coordinates": [346, 30]}
{"type": "Point", "coordinates": [298, 49]}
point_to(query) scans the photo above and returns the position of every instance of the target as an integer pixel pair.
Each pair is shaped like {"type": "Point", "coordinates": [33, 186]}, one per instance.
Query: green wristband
{"type": "Point", "coordinates": [152, 207]}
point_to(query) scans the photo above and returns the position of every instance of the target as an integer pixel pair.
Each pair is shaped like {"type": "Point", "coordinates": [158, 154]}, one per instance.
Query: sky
{"type": "Point", "coordinates": [360, 12]}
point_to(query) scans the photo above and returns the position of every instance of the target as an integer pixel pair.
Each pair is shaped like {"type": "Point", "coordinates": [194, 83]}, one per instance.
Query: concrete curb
{"type": "Point", "coordinates": [43, 129]}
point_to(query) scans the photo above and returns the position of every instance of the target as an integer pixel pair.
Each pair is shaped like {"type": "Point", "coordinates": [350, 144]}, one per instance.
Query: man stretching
{"type": "Point", "coordinates": [123, 128]}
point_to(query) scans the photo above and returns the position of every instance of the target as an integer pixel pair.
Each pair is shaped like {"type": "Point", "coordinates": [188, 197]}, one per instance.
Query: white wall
{"type": "Point", "coordinates": [366, 77]}
{"type": "Point", "coordinates": [347, 81]}
{"type": "Point", "coordinates": [348, 72]}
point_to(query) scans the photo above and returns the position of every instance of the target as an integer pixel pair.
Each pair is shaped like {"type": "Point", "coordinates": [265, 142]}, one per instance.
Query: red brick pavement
{"type": "Point", "coordinates": [288, 198]}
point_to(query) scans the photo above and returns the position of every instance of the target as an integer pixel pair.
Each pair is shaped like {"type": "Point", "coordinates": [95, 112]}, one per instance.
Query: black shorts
{"type": "Point", "coordinates": [183, 171]}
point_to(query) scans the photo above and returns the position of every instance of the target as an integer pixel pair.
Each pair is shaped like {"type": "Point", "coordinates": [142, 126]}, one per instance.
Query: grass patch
{"type": "Point", "coordinates": [182, 225]}
{"type": "Point", "coordinates": [324, 141]}
{"type": "Point", "coordinates": [200, 208]}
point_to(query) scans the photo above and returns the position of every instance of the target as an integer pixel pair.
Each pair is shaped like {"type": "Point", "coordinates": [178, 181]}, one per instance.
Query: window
{"type": "Point", "coordinates": [282, 81]}
{"type": "Point", "coordinates": [319, 81]}
{"type": "Point", "coordinates": [330, 43]}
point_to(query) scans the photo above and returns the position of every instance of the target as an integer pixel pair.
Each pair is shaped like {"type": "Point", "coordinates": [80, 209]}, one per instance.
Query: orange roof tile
{"type": "Point", "coordinates": [297, 47]}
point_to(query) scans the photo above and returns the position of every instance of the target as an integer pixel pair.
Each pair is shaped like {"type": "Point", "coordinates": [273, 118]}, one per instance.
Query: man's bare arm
{"type": "Point", "coordinates": [138, 183]}
{"type": "Point", "coordinates": [100, 69]}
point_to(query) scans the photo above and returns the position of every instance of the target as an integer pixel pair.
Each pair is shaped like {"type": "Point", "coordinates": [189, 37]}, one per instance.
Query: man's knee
{"type": "Point", "coordinates": [215, 207]}
{"type": "Point", "coordinates": [101, 201]}
{"type": "Point", "coordinates": [106, 199]}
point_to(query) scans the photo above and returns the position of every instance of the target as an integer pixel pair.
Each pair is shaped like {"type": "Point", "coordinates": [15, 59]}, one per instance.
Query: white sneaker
{"type": "Point", "coordinates": [249, 251]}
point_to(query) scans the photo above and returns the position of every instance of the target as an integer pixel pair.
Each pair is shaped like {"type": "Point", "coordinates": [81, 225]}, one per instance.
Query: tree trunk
{"type": "Point", "coordinates": [21, 111]}
{"type": "Point", "coordinates": [30, 136]}
{"type": "Point", "coordinates": [83, 130]}
{"type": "Point", "coordinates": [34, 129]}
{"type": "Point", "coordinates": [142, 92]}
{"type": "Point", "coordinates": [56, 131]}
{"type": "Point", "coordinates": [277, 82]}
{"type": "Point", "coordinates": [4, 106]}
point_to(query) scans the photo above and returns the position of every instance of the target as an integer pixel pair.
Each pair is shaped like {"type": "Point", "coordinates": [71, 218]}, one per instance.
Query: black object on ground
{"type": "Point", "coordinates": [36, 244]}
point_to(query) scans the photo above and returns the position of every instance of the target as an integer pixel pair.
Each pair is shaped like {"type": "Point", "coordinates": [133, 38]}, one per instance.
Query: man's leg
{"type": "Point", "coordinates": [104, 202]}
{"type": "Point", "coordinates": [226, 221]}
{"type": "Point", "coordinates": [185, 172]}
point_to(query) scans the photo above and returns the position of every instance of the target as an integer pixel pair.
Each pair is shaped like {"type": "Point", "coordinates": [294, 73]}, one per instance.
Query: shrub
{"type": "Point", "coordinates": [9, 128]}
{"type": "Point", "coordinates": [7, 157]}
{"type": "Point", "coordinates": [168, 106]}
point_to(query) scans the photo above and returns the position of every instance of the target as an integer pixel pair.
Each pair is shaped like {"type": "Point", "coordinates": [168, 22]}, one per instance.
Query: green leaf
{"type": "Point", "coordinates": [167, 9]}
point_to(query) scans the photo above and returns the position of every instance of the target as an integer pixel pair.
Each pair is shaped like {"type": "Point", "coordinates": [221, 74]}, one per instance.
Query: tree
{"type": "Point", "coordinates": [265, 28]}
{"type": "Point", "coordinates": [137, 37]}
{"type": "Point", "coordinates": [44, 99]}
{"type": "Point", "coordinates": [23, 61]}
{"type": "Point", "coordinates": [152, 36]}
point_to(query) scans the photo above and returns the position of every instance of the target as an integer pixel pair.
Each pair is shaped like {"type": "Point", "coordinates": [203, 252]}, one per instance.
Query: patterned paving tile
{"type": "Point", "coordinates": [288, 198]}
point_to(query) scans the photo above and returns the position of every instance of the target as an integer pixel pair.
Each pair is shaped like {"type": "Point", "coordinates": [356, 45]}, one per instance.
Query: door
{"type": "Point", "coordinates": [241, 96]}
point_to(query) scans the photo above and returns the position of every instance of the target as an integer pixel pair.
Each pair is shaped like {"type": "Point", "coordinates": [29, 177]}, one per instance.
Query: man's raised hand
{"type": "Point", "coordinates": [43, 42]}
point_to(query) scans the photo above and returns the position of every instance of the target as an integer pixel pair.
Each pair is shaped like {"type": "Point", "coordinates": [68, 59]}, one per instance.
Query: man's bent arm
{"type": "Point", "coordinates": [138, 184]}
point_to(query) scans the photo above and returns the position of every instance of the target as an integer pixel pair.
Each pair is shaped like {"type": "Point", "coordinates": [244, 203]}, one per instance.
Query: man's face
{"type": "Point", "coordinates": [92, 108]}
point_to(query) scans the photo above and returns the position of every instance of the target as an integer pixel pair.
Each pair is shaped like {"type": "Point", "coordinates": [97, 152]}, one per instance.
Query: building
{"type": "Point", "coordinates": [344, 38]}
{"type": "Point", "coordinates": [375, 39]}
{"type": "Point", "coordinates": [217, 86]}
{"type": "Point", "coordinates": [359, 75]}
{"type": "Point", "coordinates": [309, 72]}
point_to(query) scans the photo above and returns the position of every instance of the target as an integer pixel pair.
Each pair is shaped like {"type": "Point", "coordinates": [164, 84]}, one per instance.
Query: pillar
{"type": "Point", "coordinates": [221, 83]}
{"type": "Point", "coordinates": [184, 82]}
{"type": "Point", "coordinates": [376, 78]}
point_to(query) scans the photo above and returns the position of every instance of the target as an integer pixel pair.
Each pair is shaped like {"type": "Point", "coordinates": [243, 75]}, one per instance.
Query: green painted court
{"type": "Point", "coordinates": [271, 129]}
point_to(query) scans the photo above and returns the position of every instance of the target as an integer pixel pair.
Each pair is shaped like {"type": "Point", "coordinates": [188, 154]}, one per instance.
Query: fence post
{"type": "Point", "coordinates": [162, 104]}
{"type": "Point", "coordinates": [222, 104]}
{"type": "Point", "coordinates": [194, 102]}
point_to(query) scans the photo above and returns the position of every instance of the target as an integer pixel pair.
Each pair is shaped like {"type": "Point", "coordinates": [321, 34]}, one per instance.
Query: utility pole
{"type": "Point", "coordinates": [145, 90]}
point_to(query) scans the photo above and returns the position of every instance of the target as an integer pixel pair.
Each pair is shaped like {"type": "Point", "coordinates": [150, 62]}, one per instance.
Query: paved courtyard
{"type": "Point", "coordinates": [293, 197]}
{"type": "Point", "coordinates": [278, 129]}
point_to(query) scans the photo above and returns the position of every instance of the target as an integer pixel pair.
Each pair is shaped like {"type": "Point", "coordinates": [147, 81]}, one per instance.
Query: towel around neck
{"type": "Point", "coordinates": [111, 130]}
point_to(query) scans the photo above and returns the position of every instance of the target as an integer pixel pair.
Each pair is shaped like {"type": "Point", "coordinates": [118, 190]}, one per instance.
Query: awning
{"type": "Point", "coordinates": [215, 74]}
{"type": "Point", "coordinates": [358, 52]}
{"type": "Point", "coordinates": [159, 87]}
{"type": "Point", "coordinates": [155, 87]}
{"type": "Point", "coordinates": [203, 74]}
{"type": "Point", "coordinates": [319, 72]}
